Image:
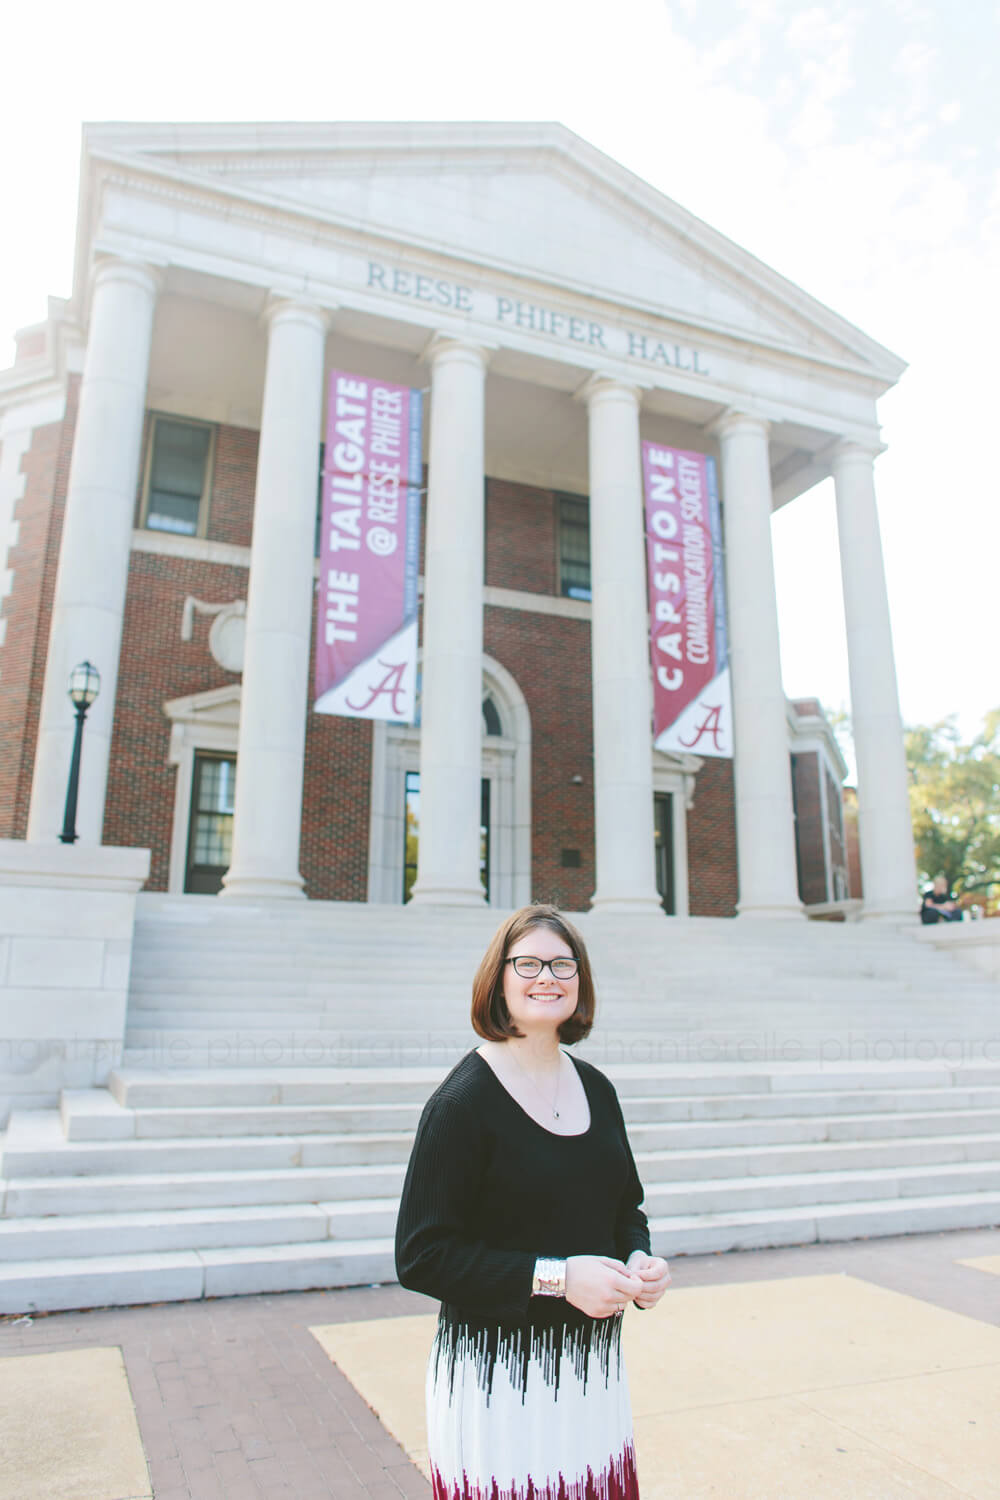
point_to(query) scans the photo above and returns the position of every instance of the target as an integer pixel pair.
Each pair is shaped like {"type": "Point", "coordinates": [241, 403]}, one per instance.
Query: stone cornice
{"type": "Point", "coordinates": [169, 181]}
{"type": "Point", "coordinates": [548, 144]}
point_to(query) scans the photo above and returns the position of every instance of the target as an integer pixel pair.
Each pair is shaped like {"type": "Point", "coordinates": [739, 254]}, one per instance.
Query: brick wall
{"type": "Point", "coordinates": [835, 823]}
{"type": "Point", "coordinates": [807, 795]}
{"type": "Point", "coordinates": [549, 658]}
{"type": "Point", "coordinates": [230, 515]}
{"type": "Point", "coordinates": [27, 609]}
{"type": "Point", "coordinates": [521, 537]}
{"type": "Point", "coordinates": [157, 665]}
{"type": "Point", "coordinates": [855, 883]}
{"type": "Point", "coordinates": [711, 826]}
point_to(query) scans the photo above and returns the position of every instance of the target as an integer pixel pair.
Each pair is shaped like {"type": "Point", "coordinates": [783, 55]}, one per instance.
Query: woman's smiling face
{"type": "Point", "coordinates": [542, 1002]}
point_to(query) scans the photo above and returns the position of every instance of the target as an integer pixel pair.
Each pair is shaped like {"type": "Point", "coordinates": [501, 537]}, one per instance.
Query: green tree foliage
{"type": "Point", "coordinates": [955, 801]}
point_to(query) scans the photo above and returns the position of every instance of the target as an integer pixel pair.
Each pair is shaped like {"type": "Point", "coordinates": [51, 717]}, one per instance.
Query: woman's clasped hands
{"type": "Point", "coordinates": [654, 1273]}
{"type": "Point", "coordinates": [600, 1286]}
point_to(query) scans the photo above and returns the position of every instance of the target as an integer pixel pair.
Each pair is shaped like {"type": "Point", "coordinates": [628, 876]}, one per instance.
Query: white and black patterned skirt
{"type": "Point", "coordinates": [529, 1413]}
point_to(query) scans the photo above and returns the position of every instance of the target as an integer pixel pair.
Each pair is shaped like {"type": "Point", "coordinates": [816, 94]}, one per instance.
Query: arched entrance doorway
{"type": "Point", "coordinates": [506, 798]}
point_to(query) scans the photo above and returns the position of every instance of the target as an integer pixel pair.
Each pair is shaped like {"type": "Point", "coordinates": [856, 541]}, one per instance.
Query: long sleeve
{"type": "Point", "coordinates": [436, 1252]}
{"type": "Point", "coordinates": [631, 1226]}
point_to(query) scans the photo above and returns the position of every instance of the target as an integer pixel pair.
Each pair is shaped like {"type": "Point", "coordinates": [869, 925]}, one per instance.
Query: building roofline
{"type": "Point", "coordinates": [160, 148]}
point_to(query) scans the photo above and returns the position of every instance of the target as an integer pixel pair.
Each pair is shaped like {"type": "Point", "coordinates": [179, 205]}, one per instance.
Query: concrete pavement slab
{"type": "Point", "coordinates": [797, 1386]}
{"type": "Point", "coordinates": [68, 1428]}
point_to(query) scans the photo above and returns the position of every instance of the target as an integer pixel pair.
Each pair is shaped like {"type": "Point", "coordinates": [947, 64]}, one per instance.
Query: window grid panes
{"type": "Point", "coordinates": [213, 828]}
{"type": "Point", "coordinates": [574, 547]}
{"type": "Point", "coordinates": [177, 475]}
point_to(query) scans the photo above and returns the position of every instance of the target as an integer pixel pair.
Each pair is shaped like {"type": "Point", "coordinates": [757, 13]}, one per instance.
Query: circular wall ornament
{"type": "Point", "coordinates": [227, 637]}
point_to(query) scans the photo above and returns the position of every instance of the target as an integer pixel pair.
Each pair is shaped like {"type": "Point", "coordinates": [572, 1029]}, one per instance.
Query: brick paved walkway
{"type": "Point", "coordinates": [237, 1401]}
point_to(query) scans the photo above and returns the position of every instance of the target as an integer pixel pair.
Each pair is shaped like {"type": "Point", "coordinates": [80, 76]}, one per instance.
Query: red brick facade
{"type": "Point", "coordinates": [27, 609]}
{"type": "Point", "coordinates": [547, 655]}
{"type": "Point", "coordinates": [521, 538]}
{"type": "Point", "coordinates": [711, 825]}
{"type": "Point", "coordinates": [549, 658]}
{"type": "Point", "coordinates": [807, 794]}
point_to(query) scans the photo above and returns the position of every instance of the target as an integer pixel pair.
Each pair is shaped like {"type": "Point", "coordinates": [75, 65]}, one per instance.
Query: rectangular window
{"type": "Point", "coordinates": [574, 546]}
{"type": "Point", "coordinates": [663, 843]}
{"type": "Point", "coordinates": [178, 476]}
{"type": "Point", "coordinates": [210, 838]}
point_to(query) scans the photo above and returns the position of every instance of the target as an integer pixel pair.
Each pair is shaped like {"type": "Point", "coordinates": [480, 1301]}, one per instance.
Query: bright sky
{"type": "Point", "coordinates": [854, 147]}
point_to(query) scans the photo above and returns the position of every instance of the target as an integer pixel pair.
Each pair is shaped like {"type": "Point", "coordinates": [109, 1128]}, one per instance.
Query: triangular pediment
{"type": "Point", "coordinates": [531, 201]}
{"type": "Point", "coordinates": [218, 708]}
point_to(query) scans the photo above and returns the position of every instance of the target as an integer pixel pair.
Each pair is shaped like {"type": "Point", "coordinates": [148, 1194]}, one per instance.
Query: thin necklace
{"type": "Point", "coordinates": [550, 1104]}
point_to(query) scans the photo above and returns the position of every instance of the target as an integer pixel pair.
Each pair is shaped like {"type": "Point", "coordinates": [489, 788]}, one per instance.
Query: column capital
{"type": "Point", "coordinates": [855, 450]}
{"type": "Point", "coordinates": [280, 308]}
{"type": "Point", "coordinates": [733, 420]}
{"type": "Point", "coordinates": [147, 275]}
{"type": "Point", "coordinates": [603, 386]}
{"type": "Point", "coordinates": [441, 347]}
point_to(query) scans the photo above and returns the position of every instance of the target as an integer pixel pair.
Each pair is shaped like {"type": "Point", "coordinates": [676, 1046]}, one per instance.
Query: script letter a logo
{"type": "Point", "coordinates": [392, 683]}
{"type": "Point", "coordinates": [711, 724]}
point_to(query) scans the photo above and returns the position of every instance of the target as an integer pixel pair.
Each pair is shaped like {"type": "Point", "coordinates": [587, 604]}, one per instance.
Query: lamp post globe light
{"type": "Point", "coordinates": [84, 686]}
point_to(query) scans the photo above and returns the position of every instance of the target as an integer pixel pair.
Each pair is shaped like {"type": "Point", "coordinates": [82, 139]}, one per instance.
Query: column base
{"type": "Point", "coordinates": [446, 895]}
{"type": "Point", "coordinates": [781, 913]}
{"type": "Point", "coordinates": [262, 888]}
{"type": "Point", "coordinates": [649, 906]}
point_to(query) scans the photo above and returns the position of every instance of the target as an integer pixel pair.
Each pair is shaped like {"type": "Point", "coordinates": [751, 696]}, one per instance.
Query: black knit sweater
{"type": "Point", "coordinates": [488, 1190]}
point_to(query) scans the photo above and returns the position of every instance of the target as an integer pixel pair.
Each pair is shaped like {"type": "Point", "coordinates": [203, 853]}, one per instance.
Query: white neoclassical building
{"type": "Point", "coordinates": [160, 455]}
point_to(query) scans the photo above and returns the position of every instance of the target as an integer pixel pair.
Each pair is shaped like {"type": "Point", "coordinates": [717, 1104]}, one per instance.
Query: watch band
{"type": "Point", "coordinates": [549, 1279]}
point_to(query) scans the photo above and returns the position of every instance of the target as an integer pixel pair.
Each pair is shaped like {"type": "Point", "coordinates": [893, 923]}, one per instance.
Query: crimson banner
{"type": "Point", "coordinates": [692, 706]}
{"type": "Point", "coordinates": [366, 645]}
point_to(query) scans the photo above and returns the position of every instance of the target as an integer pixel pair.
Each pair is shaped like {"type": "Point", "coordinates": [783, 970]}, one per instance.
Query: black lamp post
{"type": "Point", "coordinates": [84, 686]}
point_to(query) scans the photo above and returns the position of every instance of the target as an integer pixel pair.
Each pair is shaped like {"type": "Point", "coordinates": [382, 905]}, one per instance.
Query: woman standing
{"type": "Point", "coordinates": [521, 1213]}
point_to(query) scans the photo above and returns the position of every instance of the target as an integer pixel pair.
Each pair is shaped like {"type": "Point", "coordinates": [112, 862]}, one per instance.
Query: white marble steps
{"type": "Point", "coordinates": [186, 1275]}
{"type": "Point", "coordinates": [125, 1279]}
{"type": "Point", "coordinates": [167, 1192]}
{"type": "Point", "coordinates": [213, 987]}
{"type": "Point", "coordinates": [36, 1146]}
{"type": "Point", "coordinates": [210, 1182]}
{"type": "Point", "coordinates": [739, 1166]}
{"type": "Point", "coordinates": [147, 1231]}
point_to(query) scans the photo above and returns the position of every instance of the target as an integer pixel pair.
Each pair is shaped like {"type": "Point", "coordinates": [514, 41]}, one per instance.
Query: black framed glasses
{"type": "Point", "coordinates": [529, 968]}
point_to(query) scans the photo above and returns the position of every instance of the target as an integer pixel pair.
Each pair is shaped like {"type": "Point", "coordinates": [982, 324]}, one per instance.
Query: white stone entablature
{"type": "Point", "coordinates": [408, 226]}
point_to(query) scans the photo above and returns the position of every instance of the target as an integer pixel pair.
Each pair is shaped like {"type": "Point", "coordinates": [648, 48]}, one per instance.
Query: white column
{"type": "Point", "coordinates": [269, 766]}
{"type": "Point", "coordinates": [452, 674]}
{"type": "Point", "coordinates": [885, 831]}
{"type": "Point", "coordinates": [92, 576]}
{"type": "Point", "coordinates": [765, 824]}
{"type": "Point", "coordinates": [619, 648]}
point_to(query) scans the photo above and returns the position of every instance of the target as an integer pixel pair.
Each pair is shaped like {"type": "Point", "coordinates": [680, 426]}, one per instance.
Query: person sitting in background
{"type": "Point", "coordinates": [939, 904]}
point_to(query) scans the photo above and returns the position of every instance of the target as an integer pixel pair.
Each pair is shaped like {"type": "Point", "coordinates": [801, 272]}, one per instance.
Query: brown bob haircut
{"type": "Point", "coordinates": [490, 1016]}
